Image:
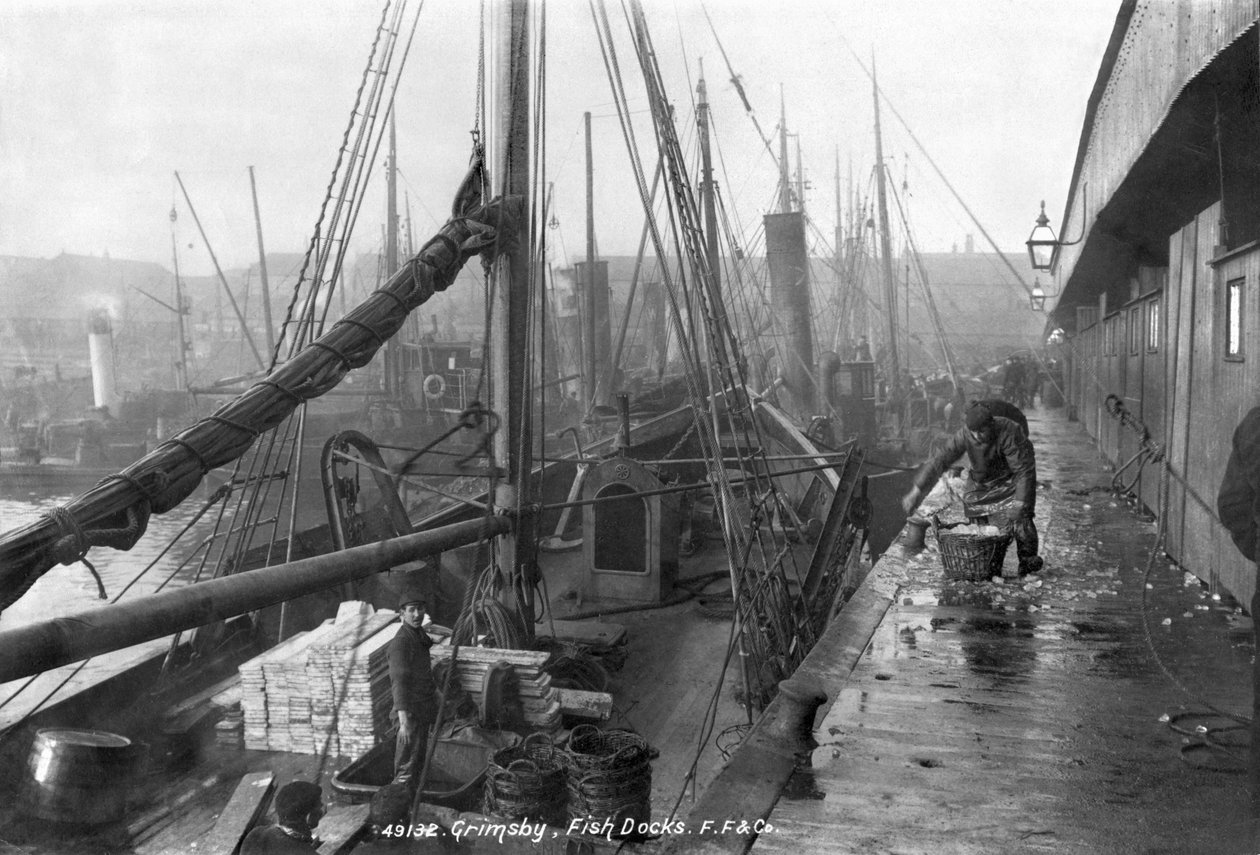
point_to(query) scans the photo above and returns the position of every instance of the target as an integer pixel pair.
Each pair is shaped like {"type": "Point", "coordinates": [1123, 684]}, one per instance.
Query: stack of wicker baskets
{"type": "Point", "coordinates": [610, 777]}
{"type": "Point", "coordinates": [527, 781]}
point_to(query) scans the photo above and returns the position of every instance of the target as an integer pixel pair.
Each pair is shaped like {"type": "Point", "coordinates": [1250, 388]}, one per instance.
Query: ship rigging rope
{"type": "Point", "coordinates": [360, 131]}
{"type": "Point", "coordinates": [772, 635]}
{"type": "Point", "coordinates": [328, 193]}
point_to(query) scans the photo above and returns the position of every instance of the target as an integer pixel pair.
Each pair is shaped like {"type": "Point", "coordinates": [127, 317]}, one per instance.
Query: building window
{"type": "Point", "coordinates": [1234, 319]}
{"type": "Point", "coordinates": [1135, 330]}
{"type": "Point", "coordinates": [1152, 326]}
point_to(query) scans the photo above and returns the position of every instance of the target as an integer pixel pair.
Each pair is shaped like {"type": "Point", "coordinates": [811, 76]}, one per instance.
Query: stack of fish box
{"type": "Point", "coordinates": [288, 707]}
{"type": "Point", "coordinates": [264, 707]}
{"type": "Point", "coordinates": [540, 701]}
{"type": "Point", "coordinates": [349, 680]}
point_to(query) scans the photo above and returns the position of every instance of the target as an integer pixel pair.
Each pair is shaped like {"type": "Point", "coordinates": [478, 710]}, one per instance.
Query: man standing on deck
{"type": "Point", "coordinates": [1002, 481]}
{"type": "Point", "coordinates": [411, 679]}
{"type": "Point", "coordinates": [1238, 504]}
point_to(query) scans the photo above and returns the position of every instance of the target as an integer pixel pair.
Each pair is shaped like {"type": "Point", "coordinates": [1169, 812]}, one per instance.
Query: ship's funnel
{"type": "Point", "coordinates": [101, 352]}
{"type": "Point", "coordinates": [788, 261]}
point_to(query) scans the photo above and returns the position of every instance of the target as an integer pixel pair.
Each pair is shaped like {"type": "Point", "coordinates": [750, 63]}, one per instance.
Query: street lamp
{"type": "Point", "coordinates": [1042, 243]}
{"type": "Point", "coordinates": [1037, 299]}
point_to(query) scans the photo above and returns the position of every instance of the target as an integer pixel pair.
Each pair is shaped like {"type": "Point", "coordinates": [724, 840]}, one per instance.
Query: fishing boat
{"type": "Point", "coordinates": [717, 540]}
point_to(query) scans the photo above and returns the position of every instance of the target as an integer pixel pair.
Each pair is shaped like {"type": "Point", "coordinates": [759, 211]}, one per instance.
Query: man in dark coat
{"type": "Point", "coordinates": [411, 679]}
{"type": "Point", "coordinates": [1003, 478]}
{"type": "Point", "coordinates": [1238, 504]}
{"type": "Point", "coordinates": [299, 808]}
{"type": "Point", "coordinates": [1006, 410]}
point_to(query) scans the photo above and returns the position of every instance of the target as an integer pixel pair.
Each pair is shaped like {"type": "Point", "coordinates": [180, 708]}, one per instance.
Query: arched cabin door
{"type": "Point", "coordinates": [633, 551]}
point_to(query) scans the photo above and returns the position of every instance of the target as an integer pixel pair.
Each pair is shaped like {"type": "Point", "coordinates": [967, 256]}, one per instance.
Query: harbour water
{"type": "Point", "coordinates": [67, 590]}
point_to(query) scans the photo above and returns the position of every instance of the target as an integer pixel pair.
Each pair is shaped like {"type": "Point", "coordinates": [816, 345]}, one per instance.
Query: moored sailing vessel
{"type": "Point", "coordinates": [656, 500]}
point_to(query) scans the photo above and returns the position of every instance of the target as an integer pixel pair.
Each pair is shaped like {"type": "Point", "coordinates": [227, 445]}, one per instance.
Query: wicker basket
{"type": "Point", "coordinates": [971, 557]}
{"type": "Point", "coordinates": [610, 777]}
{"type": "Point", "coordinates": [528, 781]}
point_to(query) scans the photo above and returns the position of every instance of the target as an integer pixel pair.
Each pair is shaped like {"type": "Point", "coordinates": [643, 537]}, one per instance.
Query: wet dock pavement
{"type": "Point", "coordinates": [1078, 710]}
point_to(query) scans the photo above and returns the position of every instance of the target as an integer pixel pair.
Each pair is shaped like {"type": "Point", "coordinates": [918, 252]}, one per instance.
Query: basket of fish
{"type": "Point", "coordinates": [971, 552]}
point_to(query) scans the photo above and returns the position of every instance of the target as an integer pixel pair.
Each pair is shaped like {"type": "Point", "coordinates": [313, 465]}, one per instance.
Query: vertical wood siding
{"type": "Point", "coordinates": [1166, 43]}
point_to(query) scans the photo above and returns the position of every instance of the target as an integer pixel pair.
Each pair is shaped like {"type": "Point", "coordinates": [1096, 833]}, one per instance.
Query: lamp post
{"type": "Point", "coordinates": [1042, 244]}
{"type": "Point", "coordinates": [1037, 299]}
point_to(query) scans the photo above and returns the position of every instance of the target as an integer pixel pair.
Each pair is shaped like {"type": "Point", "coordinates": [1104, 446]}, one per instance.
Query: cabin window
{"type": "Point", "coordinates": [1234, 319]}
{"type": "Point", "coordinates": [1152, 326]}
{"type": "Point", "coordinates": [1135, 330]}
{"type": "Point", "coordinates": [1109, 337]}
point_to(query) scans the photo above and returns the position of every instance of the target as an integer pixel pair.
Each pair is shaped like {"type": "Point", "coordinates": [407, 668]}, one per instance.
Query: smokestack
{"type": "Point", "coordinates": [101, 353]}
{"type": "Point", "coordinates": [971, 244]}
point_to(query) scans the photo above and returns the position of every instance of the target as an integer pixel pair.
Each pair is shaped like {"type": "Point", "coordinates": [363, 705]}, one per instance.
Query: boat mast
{"type": "Point", "coordinates": [240, 316]}
{"type": "Point", "coordinates": [262, 270]}
{"type": "Point", "coordinates": [392, 380]}
{"type": "Point", "coordinates": [800, 176]}
{"type": "Point", "coordinates": [181, 364]}
{"type": "Point", "coordinates": [785, 181]}
{"type": "Point", "coordinates": [890, 285]}
{"type": "Point", "coordinates": [588, 319]}
{"type": "Point", "coordinates": [839, 230]}
{"type": "Point", "coordinates": [708, 191]}
{"type": "Point", "coordinates": [509, 329]}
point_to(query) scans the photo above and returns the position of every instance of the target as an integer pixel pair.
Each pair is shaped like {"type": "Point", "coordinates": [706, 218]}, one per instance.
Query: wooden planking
{"type": "Point", "coordinates": [581, 704]}
{"type": "Point", "coordinates": [1203, 419]}
{"type": "Point", "coordinates": [1234, 386]}
{"type": "Point", "coordinates": [246, 806]}
{"type": "Point", "coordinates": [965, 728]}
{"type": "Point", "coordinates": [340, 827]}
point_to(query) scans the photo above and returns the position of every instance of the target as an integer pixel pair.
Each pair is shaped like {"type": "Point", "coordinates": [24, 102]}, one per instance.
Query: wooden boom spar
{"type": "Point", "coordinates": [37, 647]}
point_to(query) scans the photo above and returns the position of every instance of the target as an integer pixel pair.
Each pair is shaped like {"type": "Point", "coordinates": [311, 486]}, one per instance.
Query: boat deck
{"type": "Point", "coordinates": [1036, 717]}
{"type": "Point", "coordinates": [663, 691]}
{"type": "Point", "coordinates": [671, 677]}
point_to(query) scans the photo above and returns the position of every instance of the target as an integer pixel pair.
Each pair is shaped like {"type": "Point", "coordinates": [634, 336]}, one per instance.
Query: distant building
{"type": "Point", "coordinates": [44, 315]}
{"type": "Point", "coordinates": [984, 309]}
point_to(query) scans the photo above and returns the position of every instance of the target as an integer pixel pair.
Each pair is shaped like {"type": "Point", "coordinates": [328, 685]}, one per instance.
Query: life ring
{"type": "Point", "coordinates": [434, 387]}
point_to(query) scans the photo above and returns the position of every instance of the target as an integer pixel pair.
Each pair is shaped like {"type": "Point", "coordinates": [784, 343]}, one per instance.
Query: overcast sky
{"type": "Point", "coordinates": [101, 102]}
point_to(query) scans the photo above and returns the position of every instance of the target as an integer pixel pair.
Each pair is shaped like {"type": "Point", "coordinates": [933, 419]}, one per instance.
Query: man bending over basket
{"type": "Point", "coordinates": [1002, 482]}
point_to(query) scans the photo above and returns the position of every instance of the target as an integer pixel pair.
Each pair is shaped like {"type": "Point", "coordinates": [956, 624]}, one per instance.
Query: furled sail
{"type": "Point", "coordinates": [115, 512]}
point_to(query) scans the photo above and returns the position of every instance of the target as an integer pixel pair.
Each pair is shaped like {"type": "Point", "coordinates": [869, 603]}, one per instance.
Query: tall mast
{"type": "Point", "coordinates": [509, 367]}
{"type": "Point", "coordinates": [885, 242]}
{"type": "Point", "coordinates": [708, 191]}
{"type": "Point", "coordinates": [392, 380]}
{"type": "Point", "coordinates": [262, 269]}
{"type": "Point", "coordinates": [839, 232]}
{"type": "Point", "coordinates": [181, 364]}
{"type": "Point", "coordinates": [785, 181]}
{"type": "Point", "coordinates": [800, 176]}
{"type": "Point", "coordinates": [841, 338]}
{"type": "Point", "coordinates": [240, 316]}
{"type": "Point", "coordinates": [591, 373]}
